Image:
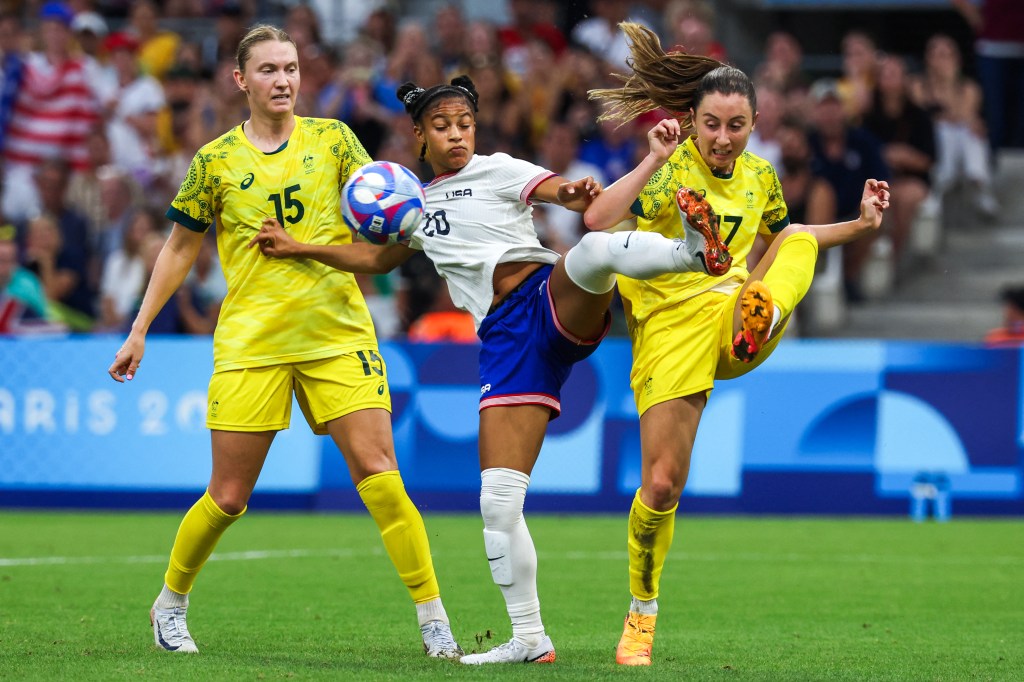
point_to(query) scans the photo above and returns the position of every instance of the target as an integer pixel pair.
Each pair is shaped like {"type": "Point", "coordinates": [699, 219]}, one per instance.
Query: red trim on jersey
{"type": "Point", "coordinates": [515, 399]}
{"type": "Point", "coordinates": [569, 335]}
{"type": "Point", "coordinates": [533, 185]}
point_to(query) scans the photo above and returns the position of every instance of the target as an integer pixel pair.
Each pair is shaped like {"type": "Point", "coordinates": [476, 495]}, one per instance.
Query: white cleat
{"type": "Point", "coordinates": [170, 631]}
{"type": "Point", "coordinates": [514, 651]}
{"type": "Point", "coordinates": [438, 641]}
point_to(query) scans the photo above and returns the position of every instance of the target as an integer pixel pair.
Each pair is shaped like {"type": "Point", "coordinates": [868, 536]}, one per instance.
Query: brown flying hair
{"type": "Point", "coordinates": [674, 81]}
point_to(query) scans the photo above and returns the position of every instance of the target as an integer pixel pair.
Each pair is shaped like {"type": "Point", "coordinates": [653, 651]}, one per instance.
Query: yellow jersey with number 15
{"type": "Point", "coordinates": [747, 201]}
{"type": "Point", "coordinates": [278, 310]}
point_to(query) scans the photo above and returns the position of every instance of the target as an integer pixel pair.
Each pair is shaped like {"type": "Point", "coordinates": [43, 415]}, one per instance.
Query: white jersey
{"type": "Point", "coordinates": [477, 218]}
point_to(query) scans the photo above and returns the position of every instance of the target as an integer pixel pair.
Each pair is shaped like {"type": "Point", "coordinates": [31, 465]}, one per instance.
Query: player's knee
{"type": "Point", "coordinates": [499, 508]}
{"type": "Point", "coordinates": [664, 488]}
{"type": "Point", "coordinates": [794, 229]}
{"type": "Point", "coordinates": [231, 500]}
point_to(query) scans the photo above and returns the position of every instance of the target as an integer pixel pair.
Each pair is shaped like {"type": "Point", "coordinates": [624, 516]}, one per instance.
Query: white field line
{"type": "Point", "coordinates": [717, 557]}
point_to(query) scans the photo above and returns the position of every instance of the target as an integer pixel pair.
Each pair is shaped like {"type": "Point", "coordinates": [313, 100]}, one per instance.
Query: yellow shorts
{"type": "Point", "coordinates": [260, 398]}
{"type": "Point", "coordinates": [682, 350]}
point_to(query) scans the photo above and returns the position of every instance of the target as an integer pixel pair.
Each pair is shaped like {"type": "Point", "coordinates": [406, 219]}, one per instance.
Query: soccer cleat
{"type": "Point", "coordinates": [756, 312]}
{"type": "Point", "coordinates": [438, 641]}
{"type": "Point", "coordinates": [170, 631]}
{"type": "Point", "coordinates": [637, 640]}
{"type": "Point", "coordinates": [700, 225]}
{"type": "Point", "coordinates": [515, 652]}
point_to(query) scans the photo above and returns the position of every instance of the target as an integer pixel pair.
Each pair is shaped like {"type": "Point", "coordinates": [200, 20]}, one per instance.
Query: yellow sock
{"type": "Point", "coordinates": [197, 535]}
{"type": "Point", "coordinates": [790, 274]}
{"type": "Point", "coordinates": [401, 528]}
{"type": "Point", "coordinates": [648, 539]}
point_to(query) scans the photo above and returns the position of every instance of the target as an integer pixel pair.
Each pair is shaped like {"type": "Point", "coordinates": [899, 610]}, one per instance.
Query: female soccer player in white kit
{"type": "Point", "coordinates": [536, 313]}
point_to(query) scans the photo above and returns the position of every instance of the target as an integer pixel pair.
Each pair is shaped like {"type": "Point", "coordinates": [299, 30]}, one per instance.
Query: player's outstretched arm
{"type": "Point", "coordinates": [576, 195]}
{"type": "Point", "coordinates": [874, 200]}
{"type": "Point", "coordinates": [357, 257]}
{"type": "Point", "coordinates": [172, 265]}
{"type": "Point", "coordinates": [612, 206]}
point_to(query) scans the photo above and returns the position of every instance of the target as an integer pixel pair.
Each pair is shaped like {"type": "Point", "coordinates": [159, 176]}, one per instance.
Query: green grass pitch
{"type": "Point", "coordinates": [314, 597]}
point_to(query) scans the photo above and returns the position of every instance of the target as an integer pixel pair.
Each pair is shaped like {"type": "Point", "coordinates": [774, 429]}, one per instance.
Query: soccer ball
{"type": "Point", "coordinates": [383, 202]}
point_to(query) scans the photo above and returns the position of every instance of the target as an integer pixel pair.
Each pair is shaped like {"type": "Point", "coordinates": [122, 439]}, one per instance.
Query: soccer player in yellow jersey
{"type": "Point", "coordinates": [284, 327]}
{"type": "Point", "coordinates": [689, 329]}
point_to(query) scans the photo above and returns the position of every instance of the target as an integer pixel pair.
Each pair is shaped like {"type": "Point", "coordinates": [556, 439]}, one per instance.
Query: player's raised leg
{"type": "Point", "coordinates": [773, 290]}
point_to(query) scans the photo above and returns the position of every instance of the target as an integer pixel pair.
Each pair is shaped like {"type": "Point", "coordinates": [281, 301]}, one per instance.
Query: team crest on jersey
{"type": "Point", "coordinates": [456, 193]}
{"type": "Point", "coordinates": [307, 163]}
{"type": "Point", "coordinates": [750, 199]}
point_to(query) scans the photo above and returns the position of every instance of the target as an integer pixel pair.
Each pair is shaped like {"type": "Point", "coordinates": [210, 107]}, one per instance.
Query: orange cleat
{"type": "Point", "coordinates": [637, 640]}
{"type": "Point", "coordinates": [756, 311]}
{"type": "Point", "coordinates": [700, 225]}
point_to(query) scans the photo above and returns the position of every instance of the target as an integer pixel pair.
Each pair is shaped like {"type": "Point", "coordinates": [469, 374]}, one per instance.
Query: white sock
{"type": "Point", "coordinates": [169, 599]}
{"type": "Point", "coordinates": [431, 610]}
{"type": "Point", "coordinates": [644, 608]}
{"type": "Point", "coordinates": [502, 492]}
{"type": "Point", "coordinates": [593, 263]}
{"type": "Point", "coordinates": [776, 316]}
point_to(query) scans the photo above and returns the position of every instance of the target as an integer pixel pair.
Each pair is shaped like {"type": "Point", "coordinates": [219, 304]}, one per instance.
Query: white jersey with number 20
{"type": "Point", "coordinates": [476, 218]}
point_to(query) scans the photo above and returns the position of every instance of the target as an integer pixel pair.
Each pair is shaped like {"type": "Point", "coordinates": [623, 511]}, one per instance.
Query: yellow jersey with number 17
{"type": "Point", "coordinates": [278, 310]}
{"type": "Point", "coordinates": [747, 201]}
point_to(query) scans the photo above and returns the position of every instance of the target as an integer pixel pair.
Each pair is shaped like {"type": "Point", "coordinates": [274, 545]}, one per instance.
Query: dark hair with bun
{"type": "Point", "coordinates": [417, 99]}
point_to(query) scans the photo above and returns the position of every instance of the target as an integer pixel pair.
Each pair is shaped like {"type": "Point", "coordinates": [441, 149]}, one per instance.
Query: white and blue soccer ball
{"type": "Point", "coordinates": [383, 202]}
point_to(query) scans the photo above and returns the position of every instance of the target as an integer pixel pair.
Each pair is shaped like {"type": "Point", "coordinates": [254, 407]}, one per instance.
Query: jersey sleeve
{"type": "Point", "coordinates": [775, 216]}
{"type": "Point", "coordinates": [514, 179]}
{"type": "Point", "coordinates": [659, 191]}
{"type": "Point", "coordinates": [194, 205]}
{"type": "Point", "coordinates": [350, 152]}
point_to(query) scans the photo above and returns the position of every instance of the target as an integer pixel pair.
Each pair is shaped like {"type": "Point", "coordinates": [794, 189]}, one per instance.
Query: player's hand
{"type": "Point", "coordinates": [664, 138]}
{"type": "Point", "coordinates": [127, 360]}
{"type": "Point", "coordinates": [579, 193]}
{"type": "Point", "coordinates": [873, 203]}
{"type": "Point", "coordinates": [273, 240]}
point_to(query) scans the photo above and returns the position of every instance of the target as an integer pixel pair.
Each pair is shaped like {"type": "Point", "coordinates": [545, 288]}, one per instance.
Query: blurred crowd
{"type": "Point", "coordinates": [104, 103]}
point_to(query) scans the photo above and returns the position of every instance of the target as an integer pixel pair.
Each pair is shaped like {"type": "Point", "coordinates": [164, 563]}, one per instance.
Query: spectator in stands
{"type": "Point", "coordinates": [908, 147]}
{"type": "Point", "coordinates": [782, 67]}
{"type": "Point", "coordinates": [303, 25]}
{"type": "Point", "coordinates": [500, 125]}
{"type": "Point", "coordinates": [860, 67]}
{"type": "Point", "coordinates": [690, 28]}
{"type": "Point", "coordinates": [764, 139]}
{"type": "Point", "coordinates": [229, 27]}
{"type": "Point", "coordinates": [53, 114]}
{"type": "Point", "coordinates": [411, 45]}
{"type": "Point", "coordinates": [613, 149]}
{"type": "Point", "coordinates": [12, 62]}
{"type": "Point", "coordinates": [381, 27]}
{"type": "Point", "coordinates": [206, 287]}
{"type": "Point", "coordinates": [157, 49]}
{"type": "Point", "coordinates": [961, 144]}
{"type": "Point", "coordinates": [600, 33]}
{"type": "Point", "coordinates": [1012, 331]}
{"type": "Point", "coordinates": [444, 323]}
{"type": "Point", "coordinates": [810, 198]}
{"type": "Point", "coordinates": [133, 130]}
{"type": "Point", "coordinates": [844, 156]}
{"type": "Point", "coordinates": [67, 257]}
{"type": "Point", "coordinates": [124, 273]}
{"type": "Point", "coordinates": [18, 283]}
{"type": "Point", "coordinates": [120, 196]}
{"type": "Point", "coordinates": [90, 30]}
{"type": "Point", "coordinates": [999, 52]}
{"type": "Point", "coordinates": [359, 96]}
{"type": "Point", "coordinates": [449, 34]}
{"type": "Point", "coordinates": [559, 153]}
{"type": "Point", "coordinates": [527, 24]}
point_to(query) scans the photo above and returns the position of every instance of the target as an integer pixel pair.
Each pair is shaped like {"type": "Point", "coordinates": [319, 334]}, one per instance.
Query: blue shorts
{"type": "Point", "coordinates": [525, 353]}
